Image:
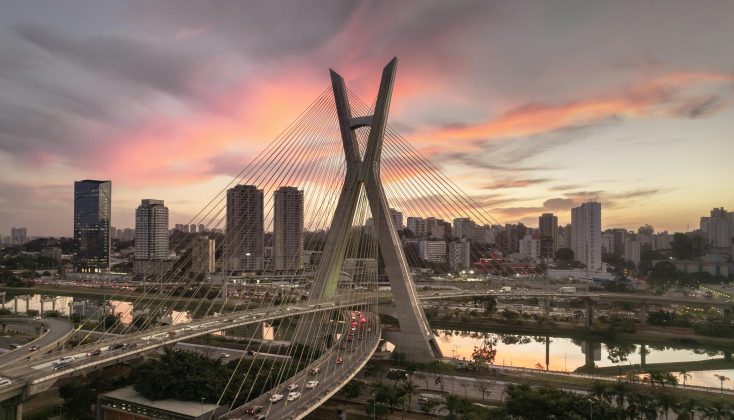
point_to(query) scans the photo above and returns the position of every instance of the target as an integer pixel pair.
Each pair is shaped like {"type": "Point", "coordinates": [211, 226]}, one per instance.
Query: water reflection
{"type": "Point", "coordinates": [80, 308]}
{"type": "Point", "coordinates": [567, 355]}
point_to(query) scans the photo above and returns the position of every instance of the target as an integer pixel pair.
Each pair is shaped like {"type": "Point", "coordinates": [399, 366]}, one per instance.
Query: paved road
{"type": "Point", "coordinates": [58, 329]}
{"type": "Point", "coordinates": [330, 377]}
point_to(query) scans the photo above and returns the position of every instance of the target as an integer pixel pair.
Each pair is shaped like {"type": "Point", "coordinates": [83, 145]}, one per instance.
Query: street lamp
{"type": "Point", "coordinates": [202, 406]}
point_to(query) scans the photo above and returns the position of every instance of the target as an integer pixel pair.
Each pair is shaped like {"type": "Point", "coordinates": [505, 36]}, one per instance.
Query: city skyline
{"type": "Point", "coordinates": [187, 102]}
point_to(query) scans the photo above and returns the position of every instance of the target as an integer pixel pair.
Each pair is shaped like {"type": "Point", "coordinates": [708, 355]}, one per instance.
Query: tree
{"type": "Point", "coordinates": [488, 303]}
{"type": "Point", "coordinates": [484, 386]}
{"type": "Point", "coordinates": [685, 410]}
{"type": "Point", "coordinates": [181, 375]}
{"type": "Point", "coordinates": [484, 354]}
{"type": "Point", "coordinates": [410, 389]}
{"type": "Point", "coordinates": [685, 375]}
{"type": "Point", "coordinates": [682, 246]}
{"type": "Point", "coordinates": [352, 389]}
{"type": "Point", "coordinates": [646, 230]}
{"type": "Point", "coordinates": [721, 379]}
{"type": "Point", "coordinates": [665, 402]}
{"type": "Point", "coordinates": [456, 406]}
{"type": "Point", "coordinates": [564, 255]}
{"type": "Point", "coordinates": [430, 406]}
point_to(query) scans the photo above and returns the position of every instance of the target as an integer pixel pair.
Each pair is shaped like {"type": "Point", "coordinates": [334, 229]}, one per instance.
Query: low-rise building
{"type": "Point", "coordinates": [126, 404]}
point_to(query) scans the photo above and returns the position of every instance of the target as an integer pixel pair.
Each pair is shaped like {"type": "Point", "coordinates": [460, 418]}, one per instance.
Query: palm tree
{"type": "Point", "coordinates": [722, 379]}
{"type": "Point", "coordinates": [410, 389]}
{"type": "Point", "coordinates": [685, 375]}
{"type": "Point", "coordinates": [665, 402]}
{"type": "Point", "coordinates": [685, 410]}
{"type": "Point", "coordinates": [620, 391]}
{"type": "Point", "coordinates": [598, 390]}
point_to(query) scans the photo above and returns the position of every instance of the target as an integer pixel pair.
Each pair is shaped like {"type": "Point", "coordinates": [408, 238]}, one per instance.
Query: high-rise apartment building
{"type": "Point", "coordinates": [417, 225]}
{"type": "Point", "coordinates": [464, 228]}
{"type": "Point", "coordinates": [397, 219]}
{"type": "Point", "coordinates": [151, 230]}
{"type": "Point", "coordinates": [243, 242]}
{"type": "Point", "coordinates": [632, 247]}
{"type": "Point", "coordinates": [531, 246]}
{"type": "Point", "coordinates": [18, 235]}
{"type": "Point", "coordinates": [586, 233]}
{"type": "Point", "coordinates": [548, 229]}
{"type": "Point", "coordinates": [288, 229]}
{"type": "Point", "coordinates": [432, 251]}
{"type": "Point", "coordinates": [92, 213]}
{"type": "Point", "coordinates": [203, 252]}
{"type": "Point", "coordinates": [459, 256]}
{"type": "Point", "coordinates": [717, 228]}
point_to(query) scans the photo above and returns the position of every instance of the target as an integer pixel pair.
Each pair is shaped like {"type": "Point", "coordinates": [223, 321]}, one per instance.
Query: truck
{"type": "Point", "coordinates": [506, 289]}
{"type": "Point", "coordinates": [567, 289]}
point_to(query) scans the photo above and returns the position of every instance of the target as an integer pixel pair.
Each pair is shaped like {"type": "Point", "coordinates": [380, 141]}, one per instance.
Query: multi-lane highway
{"type": "Point", "coordinates": [57, 329]}
{"type": "Point", "coordinates": [331, 371]}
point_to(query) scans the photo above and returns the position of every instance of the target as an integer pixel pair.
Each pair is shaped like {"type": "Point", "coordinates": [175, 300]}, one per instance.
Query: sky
{"type": "Point", "coordinates": [540, 104]}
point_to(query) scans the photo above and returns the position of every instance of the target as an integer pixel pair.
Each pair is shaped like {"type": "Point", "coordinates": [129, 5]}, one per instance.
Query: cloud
{"type": "Point", "coordinates": [558, 204]}
{"type": "Point", "coordinates": [700, 107]}
{"type": "Point", "coordinates": [514, 183]}
{"type": "Point", "coordinates": [120, 58]}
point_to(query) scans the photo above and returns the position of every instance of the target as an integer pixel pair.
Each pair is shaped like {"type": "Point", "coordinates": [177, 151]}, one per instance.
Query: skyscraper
{"type": "Point", "coordinates": [202, 255]}
{"type": "Point", "coordinates": [586, 233]}
{"type": "Point", "coordinates": [716, 228]}
{"type": "Point", "coordinates": [548, 227]}
{"type": "Point", "coordinates": [397, 218]}
{"type": "Point", "coordinates": [288, 229]}
{"type": "Point", "coordinates": [151, 230]}
{"type": "Point", "coordinates": [18, 235]}
{"type": "Point", "coordinates": [92, 211]}
{"type": "Point", "coordinates": [243, 241]}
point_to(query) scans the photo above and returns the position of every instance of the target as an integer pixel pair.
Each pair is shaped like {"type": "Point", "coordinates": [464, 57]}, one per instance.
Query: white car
{"type": "Point", "coordinates": [292, 387]}
{"type": "Point", "coordinates": [311, 384]}
{"type": "Point", "coordinates": [276, 397]}
{"type": "Point", "coordinates": [4, 382]}
{"type": "Point", "coordinates": [294, 396]}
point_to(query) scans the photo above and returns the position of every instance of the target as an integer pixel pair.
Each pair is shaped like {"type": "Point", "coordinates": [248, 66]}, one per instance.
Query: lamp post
{"type": "Point", "coordinates": [591, 408]}
{"type": "Point", "coordinates": [202, 406]}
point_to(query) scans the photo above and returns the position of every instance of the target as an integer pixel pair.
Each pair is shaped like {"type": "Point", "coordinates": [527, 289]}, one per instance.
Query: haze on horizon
{"type": "Point", "coordinates": [530, 107]}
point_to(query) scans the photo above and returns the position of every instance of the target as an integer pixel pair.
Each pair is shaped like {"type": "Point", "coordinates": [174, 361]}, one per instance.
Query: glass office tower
{"type": "Point", "coordinates": [92, 211]}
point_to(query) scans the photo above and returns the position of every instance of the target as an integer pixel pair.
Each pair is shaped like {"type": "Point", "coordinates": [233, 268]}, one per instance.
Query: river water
{"type": "Point", "coordinates": [566, 354]}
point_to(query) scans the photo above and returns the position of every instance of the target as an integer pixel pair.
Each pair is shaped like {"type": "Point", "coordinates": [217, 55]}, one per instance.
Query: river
{"type": "Point", "coordinates": [566, 354]}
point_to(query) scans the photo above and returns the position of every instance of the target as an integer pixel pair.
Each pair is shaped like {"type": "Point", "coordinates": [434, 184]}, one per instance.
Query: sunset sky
{"type": "Point", "coordinates": [542, 104]}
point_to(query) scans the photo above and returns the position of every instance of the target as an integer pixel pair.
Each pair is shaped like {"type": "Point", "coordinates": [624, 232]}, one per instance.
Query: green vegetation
{"type": "Point", "coordinates": [190, 376]}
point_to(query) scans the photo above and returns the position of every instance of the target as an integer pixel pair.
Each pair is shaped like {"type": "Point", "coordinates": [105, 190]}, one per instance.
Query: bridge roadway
{"type": "Point", "coordinates": [612, 297]}
{"type": "Point", "coordinates": [58, 329]}
{"type": "Point", "coordinates": [39, 374]}
{"type": "Point", "coordinates": [331, 376]}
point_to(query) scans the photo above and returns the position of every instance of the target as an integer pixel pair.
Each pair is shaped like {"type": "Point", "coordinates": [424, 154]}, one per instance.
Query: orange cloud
{"type": "Point", "coordinates": [655, 97]}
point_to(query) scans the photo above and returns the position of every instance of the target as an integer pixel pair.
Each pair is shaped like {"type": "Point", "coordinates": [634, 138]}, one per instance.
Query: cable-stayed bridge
{"type": "Point", "coordinates": [327, 185]}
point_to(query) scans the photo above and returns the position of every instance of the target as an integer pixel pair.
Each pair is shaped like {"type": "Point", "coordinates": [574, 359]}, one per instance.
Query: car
{"type": "Point", "coordinates": [14, 346]}
{"type": "Point", "coordinates": [37, 318]}
{"type": "Point", "coordinates": [275, 397]}
{"type": "Point", "coordinates": [5, 382]}
{"type": "Point", "coordinates": [33, 348]}
{"type": "Point", "coordinates": [253, 410]}
{"type": "Point", "coordinates": [62, 362]}
{"type": "Point", "coordinates": [224, 355]}
{"type": "Point", "coordinates": [294, 396]}
{"type": "Point", "coordinates": [250, 353]}
{"type": "Point", "coordinates": [117, 346]}
{"type": "Point", "coordinates": [314, 371]}
{"type": "Point", "coordinates": [339, 360]}
{"type": "Point", "coordinates": [311, 384]}
{"type": "Point", "coordinates": [292, 387]}
{"type": "Point", "coordinates": [96, 352]}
